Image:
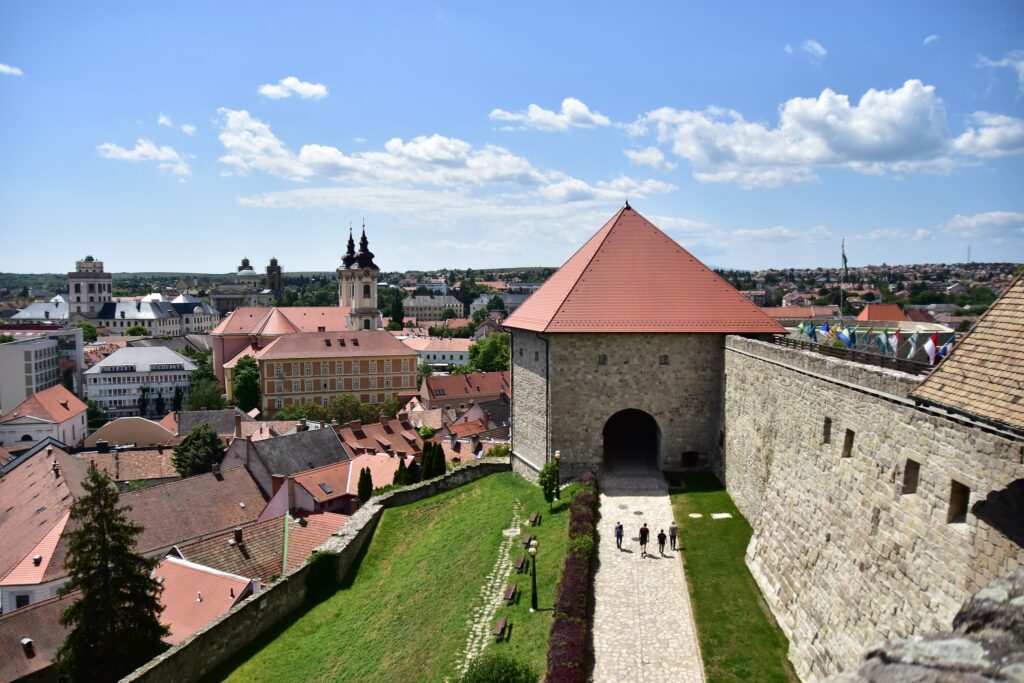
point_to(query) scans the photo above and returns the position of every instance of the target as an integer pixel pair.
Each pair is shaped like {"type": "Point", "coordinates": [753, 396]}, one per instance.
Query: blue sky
{"type": "Point", "coordinates": [183, 136]}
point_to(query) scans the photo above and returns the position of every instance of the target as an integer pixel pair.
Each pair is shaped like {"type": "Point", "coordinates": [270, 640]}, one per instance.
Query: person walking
{"type": "Point", "coordinates": [618, 535]}
{"type": "Point", "coordinates": [661, 542]}
{"type": "Point", "coordinates": [644, 534]}
{"type": "Point", "coordinates": [672, 531]}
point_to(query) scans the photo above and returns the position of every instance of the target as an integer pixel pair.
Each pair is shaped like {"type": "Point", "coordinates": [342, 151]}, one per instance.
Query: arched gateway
{"type": "Point", "coordinates": [632, 441]}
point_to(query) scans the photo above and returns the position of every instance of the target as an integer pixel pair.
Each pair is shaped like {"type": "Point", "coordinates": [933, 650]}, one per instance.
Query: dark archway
{"type": "Point", "coordinates": [632, 441]}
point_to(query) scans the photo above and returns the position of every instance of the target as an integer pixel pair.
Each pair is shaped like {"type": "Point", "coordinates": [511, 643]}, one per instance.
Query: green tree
{"type": "Point", "coordinates": [135, 331]}
{"type": "Point", "coordinates": [402, 477]}
{"type": "Point", "coordinates": [449, 313]}
{"type": "Point", "coordinates": [114, 622]}
{"type": "Point", "coordinates": [177, 399]}
{"type": "Point", "coordinates": [427, 432]}
{"type": "Point", "coordinates": [206, 395]}
{"type": "Point", "coordinates": [495, 667]}
{"type": "Point", "coordinates": [198, 452]}
{"type": "Point", "coordinates": [423, 371]}
{"type": "Point", "coordinates": [159, 406]}
{"type": "Point", "coordinates": [245, 383]}
{"type": "Point", "coordinates": [143, 401]}
{"type": "Point", "coordinates": [365, 485]}
{"type": "Point", "coordinates": [491, 354]}
{"type": "Point", "coordinates": [4, 338]}
{"type": "Point", "coordinates": [89, 333]}
{"type": "Point", "coordinates": [548, 481]}
{"type": "Point", "coordinates": [92, 413]}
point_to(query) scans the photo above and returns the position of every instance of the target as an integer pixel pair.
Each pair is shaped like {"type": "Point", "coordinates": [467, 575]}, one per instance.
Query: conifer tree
{"type": "Point", "coordinates": [198, 452]}
{"type": "Point", "coordinates": [365, 485]}
{"type": "Point", "coordinates": [401, 474]}
{"type": "Point", "coordinates": [115, 626]}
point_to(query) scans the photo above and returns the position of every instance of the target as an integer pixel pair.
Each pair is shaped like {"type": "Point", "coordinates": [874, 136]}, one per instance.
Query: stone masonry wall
{"type": "Point", "coordinates": [247, 621]}
{"type": "Point", "coordinates": [529, 403]}
{"type": "Point", "coordinates": [684, 397]}
{"type": "Point", "coordinates": [842, 556]}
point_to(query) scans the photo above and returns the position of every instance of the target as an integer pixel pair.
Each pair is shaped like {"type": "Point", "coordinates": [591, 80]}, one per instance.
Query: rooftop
{"type": "Point", "coordinates": [334, 345]}
{"type": "Point", "coordinates": [471, 385]}
{"type": "Point", "coordinates": [143, 358]}
{"type": "Point", "coordinates": [266, 320]}
{"type": "Point", "coordinates": [194, 595]}
{"type": "Point", "coordinates": [55, 405]}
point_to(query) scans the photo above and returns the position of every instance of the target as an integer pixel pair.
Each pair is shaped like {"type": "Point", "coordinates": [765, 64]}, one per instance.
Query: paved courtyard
{"type": "Point", "coordinates": [643, 624]}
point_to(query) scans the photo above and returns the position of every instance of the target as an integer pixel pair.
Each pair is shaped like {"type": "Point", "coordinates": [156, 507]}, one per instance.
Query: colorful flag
{"type": "Point", "coordinates": [913, 345]}
{"type": "Point", "coordinates": [853, 336]}
{"type": "Point", "coordinates": [811, 333]}
{"type": "Point", "coordinates": [894, 342]}
{"type": "Point", "coordinates": [800, 327]}
{"type": "Point", "coordinates": [946, 348]}
{"type": "Point", "coordinates": [844, 336]}
{"type": "Point", "coordinates": [883, 342]}
{"type": "Point", "coordinates": [846, 271]}
{"type": "Point", "coordinates": [930, 347]}
{"type": "Point", "coordinates": [824, 329]}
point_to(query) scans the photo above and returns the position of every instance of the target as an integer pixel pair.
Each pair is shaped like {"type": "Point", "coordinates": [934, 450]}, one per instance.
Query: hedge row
{"type": "Point", "coordinates": [567, 651]}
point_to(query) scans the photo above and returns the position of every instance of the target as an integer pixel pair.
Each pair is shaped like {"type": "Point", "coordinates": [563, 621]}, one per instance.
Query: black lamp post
{"type": "Point", "coordinates": [558, 476]}
{"type": "Point", "coordinates": [533, 575]}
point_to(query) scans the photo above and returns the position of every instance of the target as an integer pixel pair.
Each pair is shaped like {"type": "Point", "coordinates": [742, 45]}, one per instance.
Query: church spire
{"type": "Point", "coordinates": [365, 256]}
{"type": "Point", "coordinates": [350, 255]}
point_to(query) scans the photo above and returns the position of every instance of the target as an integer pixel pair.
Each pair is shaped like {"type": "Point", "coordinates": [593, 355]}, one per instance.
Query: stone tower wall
{"type": "Point", "coordinates": [529, 403]}
{"type": "Point", "coordinates": [841, 555]}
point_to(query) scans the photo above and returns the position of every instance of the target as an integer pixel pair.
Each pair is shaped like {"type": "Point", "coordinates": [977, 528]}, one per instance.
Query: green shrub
{"type": "Point", "coordinates": [493, 667]}
{"type": "Point", "coordinates": [583, 546]}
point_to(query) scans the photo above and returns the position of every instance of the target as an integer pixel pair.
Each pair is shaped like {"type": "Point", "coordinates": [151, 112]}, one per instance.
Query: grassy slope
{"type": "Point", "coordinates": [401, 613]}
{"type": "Point", "coordinates": [739, 639]}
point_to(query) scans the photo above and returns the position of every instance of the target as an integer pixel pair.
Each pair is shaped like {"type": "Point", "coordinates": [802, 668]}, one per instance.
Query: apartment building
{"type": "Point", "coordinates": [28, 366]}
{"type": "Point", "coordinates": [118, 381]}
{"type": "Point", "coordinates": [430, 307]}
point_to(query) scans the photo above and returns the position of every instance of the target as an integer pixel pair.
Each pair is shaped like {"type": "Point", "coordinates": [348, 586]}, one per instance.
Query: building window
{"type": "Point", "coordinates": [959, 495]}
{"type": "Point", "coordinates": [536, 355]}
{"type": "Point", "coordinates": [279, 370]}
{"type": "Point", "coordinates": [387, 366]}
{"type": "Point", "coordinates": [387, 382]}
{"type": "Point", "coordinates": [826, 431]}
{"type": "Point", "coordinates": [295, 368]}
{"type": "Point", "coordinates": [278, 404]}
{"type": "Point", "coordinates": [278, 387]}
{"type": "Point", "coordinates": [848, 444]}
{"type": "Point", "coordinates": [602, 359]}
{"type": "Point", "coordinates": [309, 368]}
{"type": "Point", "coordinates": [373, 382]}
{"type": "Point", "coordinates": [911, 474]}
{"type": "Point", "coordinates": [309, 385]}
{"type": "Point", "coordinates": [21, 601]}
{"type": "Point", "coordinates": [324, 368]}
{"type": "Point", "coordinates": [663, 360]}
{"type": "Point", "coordinates": [405, 365]}
{"type": "Point", "coordinates": [296, 384]}
{"type": "Point", "coordinates": [373, 366]}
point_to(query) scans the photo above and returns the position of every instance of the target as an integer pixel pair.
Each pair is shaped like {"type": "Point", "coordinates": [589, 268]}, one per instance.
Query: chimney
{"type": "Point", "coordinates": [452, 439]}
{"type": "Point", "coordinates": [199, 596]}
{"type": "Point", "coordinates": [238, 425]}
{"type": "Point", "coordinates": [248, 449]}
{"type": "Point", "coordinates": [102, 447]}
{"type": "Point", "coordinates": [238, 535]}
{"type": "Point", "coordinates": [291, 494]}
{"type": "Point", "coordinates": [37, 560]}
{"type": "Point", "coordinates": [401, 454]}
{"type": "Point", "coordinates": [28, 648]}
{"type": "Point", "coordinates": [215, 469]}
{"type": "Point", "coordinates": [160, 448]}
{"type": "Point", "coordinates": [56, 469]}
{"type": "Point", "coordinates": [49, 451]}
{"type": "Point", "coordinates": [117, 465]}
{"type": "Point", "coordinates": [355, 424]}
{"type": "Point", "coordinates": [302, 426]}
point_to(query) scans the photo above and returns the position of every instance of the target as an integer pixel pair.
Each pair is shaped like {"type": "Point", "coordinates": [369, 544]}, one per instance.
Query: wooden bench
{"type": "Point", "coordinates": [526, 540]}
{"type": "Point", "coordinates": [499, 628]}
{"type": "Point", "coordinates": [534, 519]}
{"type": "Point", "coordinates": [520, 564]}
{"type": "Point", "coordinates": [510, 594]}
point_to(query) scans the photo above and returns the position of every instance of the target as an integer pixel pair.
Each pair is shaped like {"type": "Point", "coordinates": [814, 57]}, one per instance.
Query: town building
{"type": "Point", "coordinates": [247, 290]}
{"type": "Point", "coordinates": [33, 363]}
{"type": "Point", "coordinates": [55, 413]}
{"type": "Point", "coordinates": [135, 431]}
{"type": "Point", "coordinates": [270, 458]}
{"type": "Point", "coordinates": [460, 392]}
{"type": "Point", "coordinates": [119, 381]}
{"type": "Point", "coordinates": [311, 368]}
{"type": "Point", "coordinates": [133, 467]}
{"type": "Point", "coordinates": [357, 285]}
{"type": "Point", "coordinates": [393, 436]}
{"type": "Point", "coordinates": [430, 307]}
{"type": "Point", "coordinates": [89, 287]}
{"type": "Point", "coordinates": [275, 278]}
{"type": "Point", "coordinates": [510, 300]}
{"type": "Point", "coordinates": [439, 353]}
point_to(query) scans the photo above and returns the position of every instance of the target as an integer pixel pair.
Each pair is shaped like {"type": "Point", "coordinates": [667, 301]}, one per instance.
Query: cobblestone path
{"type": "Point", "coordinates": [643, 624]}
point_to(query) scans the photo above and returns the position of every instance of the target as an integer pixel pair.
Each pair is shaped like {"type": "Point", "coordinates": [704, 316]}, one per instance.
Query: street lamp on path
{"type": "Point", "coordinates": [558, 476]}
{"type": "Point", "coordinates": [533, 575]}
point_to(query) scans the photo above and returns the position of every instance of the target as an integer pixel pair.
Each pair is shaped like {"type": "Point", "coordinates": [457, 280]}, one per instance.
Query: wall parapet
{"type": "Point", "coordinates": [224, 637]}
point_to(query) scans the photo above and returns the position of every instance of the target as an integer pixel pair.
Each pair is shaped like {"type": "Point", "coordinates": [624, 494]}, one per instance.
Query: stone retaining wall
{"type": "Point", "coordinates": [250, 619]}
{"type": "Point", "coordinates": [842, 556]}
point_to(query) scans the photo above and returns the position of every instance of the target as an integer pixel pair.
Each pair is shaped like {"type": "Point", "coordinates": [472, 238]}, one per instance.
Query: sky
{"type": "Point", "coordinates": [183, 136]}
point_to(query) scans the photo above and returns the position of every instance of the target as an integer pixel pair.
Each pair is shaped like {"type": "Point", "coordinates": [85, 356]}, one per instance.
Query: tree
{"type": "Point", "coordinates": [492, 353]}
{"type": "Point", "coordinates": [245, 383]}
{"type": "Point", "coordinates": [548, 481]}
{"type": "Point", "coordinates": [159, 406]}
{"type": "Point", "coordinates": [365, 485]}
{"type": "Point", "coordinates": [4, 338]}
{"type": "Point", "coordinates": [206, 395]}
{"type": "Point", "coordinates": [92, 413]}
{"type": "Point", "coordinates": [426, 431]}
{"type": "Point", "coordinates": [143, 401]}
{"type": "Point", "coordinates": [401, 474]}
{"type": "Point", "coordinates": [135, 331]}
{"type": "Point", "coordinates": [89, 333]}
{"type": "Point", "coordinates": [198, 452]}
{"type": "Point", "coordinates": [114, 623]}
{"type": "Point", "coordinates": [177, 399]}
{"type": "Point", "coordinates": [449, 313]}
{"type": "Point", "coordinates": [423, 371]}
{"type": "Point", "coordinates": [433, 463]}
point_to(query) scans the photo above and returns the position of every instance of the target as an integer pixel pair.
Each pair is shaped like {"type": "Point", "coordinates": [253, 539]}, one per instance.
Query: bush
{"type": "Point", "coordinates": [582, 547]}
{"type": "Point", "coordinates": [494, 667]}
{"type": "Point", "coordinates": [567, 652]}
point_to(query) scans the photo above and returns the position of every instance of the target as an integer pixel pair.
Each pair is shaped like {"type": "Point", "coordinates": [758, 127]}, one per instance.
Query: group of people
{"type": "Point", "coordinates": [645, 535]}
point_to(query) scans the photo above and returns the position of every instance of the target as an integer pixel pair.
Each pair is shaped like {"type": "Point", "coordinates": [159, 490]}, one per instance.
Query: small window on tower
{"type": "Point", "coordinates": [911, 475]}
{"type": "Point", "coordinates": [366, 291]}
{"type": "Point", "coordinates": [826, 431]}
{"type": "Point", "coordinates": [959, 495]}
{"type": "Point", "coordinates": [602, 359]}
{"type": "Point", "coordinates": [663, 360]}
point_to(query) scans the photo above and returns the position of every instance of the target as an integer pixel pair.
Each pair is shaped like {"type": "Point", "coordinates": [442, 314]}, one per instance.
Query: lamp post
{"type": "Point", "coordinates": [533, 575]}
{"type": "Point", "coordinates": [558, 476]}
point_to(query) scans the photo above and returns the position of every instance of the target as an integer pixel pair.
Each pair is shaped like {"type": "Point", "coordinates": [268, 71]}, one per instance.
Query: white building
{"type": "Point", "coordinates": [53, 412]}
{"type": "Point", "coordinates": [511, 300]}
{"type": "Point", "coordinates": [27, 366]}
{"type": "Point", "coordinates": [116, 383]}
{"type": "Point", "coordinates": [440, 353]}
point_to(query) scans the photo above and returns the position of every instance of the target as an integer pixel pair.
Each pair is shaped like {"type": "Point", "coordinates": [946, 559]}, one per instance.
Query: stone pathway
{"type": "Point", "coordinates": [643, 623]}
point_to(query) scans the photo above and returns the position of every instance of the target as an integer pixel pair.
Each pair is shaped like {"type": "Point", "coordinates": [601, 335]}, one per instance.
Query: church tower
{"type": "Point", "coordinates": [357, 285]}
{"type": "Point", "coordinates": [275, 281]}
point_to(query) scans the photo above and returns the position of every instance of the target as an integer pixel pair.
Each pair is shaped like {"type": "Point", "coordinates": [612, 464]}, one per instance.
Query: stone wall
{"type": "Point", "coordinates": [684, 396]}
{"type": "Point", "coordinates": [529, 403]}
{"type": "Point", "coordinates": [842, 556]}
{"type": "Point", "coordinates": [247, 621]}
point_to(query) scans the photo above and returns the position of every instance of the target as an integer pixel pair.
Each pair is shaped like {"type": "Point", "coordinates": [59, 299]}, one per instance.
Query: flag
{"type": "Point", "coordinates": [883, 342]}
{"type": "Point", "coordinates": [811, 333]}
{"type": "Point", "coordinates": [913, 345]}
{"type": "Point", "coordinates": [853, 336]}
{"type": "Point", "coordinates": [844, 336]}
{"type": "Point", "coordinates": [894, 342]}
{"type": "Point", "coordinates": [946, 348]}
{"type": "Point", "coordinates": [930, 347]}
{"type": "Point", "coordinates": [846, 272]}
{"type": "Point", "coordinates": [800, 328]}
{"type": "Point", "coordinates": [824, 329]}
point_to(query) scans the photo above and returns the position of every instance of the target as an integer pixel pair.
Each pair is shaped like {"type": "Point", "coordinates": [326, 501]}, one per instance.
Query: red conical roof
{"type": "Point", "coordinates": [632, 277]}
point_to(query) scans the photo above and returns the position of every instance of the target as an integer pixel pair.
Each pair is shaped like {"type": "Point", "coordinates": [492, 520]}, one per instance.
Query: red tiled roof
{"type": "Point", "coordinates": [382, 470]}
{"type": "Point", "coordinates": [135, 465]}
{"type": "Point", "coordinates": [471, 385]}
{"type": "Point", "coordinates": [315, 345]}
{"type": "Point", "coordinates": [260, 320]}
{"type": "Point", "coordinates": [39, 621]}
{"type": "Point", "coordinates": [28, 572]}
{"type": "Point", "coordinates": [607, 286]}
{"type": "Point", "coordinates": [372, 435]}
{"type": "Point", "coordinates": [328, 482]}
{"type": "Point", "coordinates": [194, 595]}
{"type": "Point", "coordinates": [882, 312]}
{"type": "Point", "coordinates": [5, 456]}
{"type": "Point", "coordinates": [308, 533]}
{"type": "Point", "coordinates": [463, 429]}
{"type": "Point", "coordinates": [170, 422]}
{"type": "Point", "coordinates": [259, 556]}
{"type": "Point", "coordinates": [55, 404]}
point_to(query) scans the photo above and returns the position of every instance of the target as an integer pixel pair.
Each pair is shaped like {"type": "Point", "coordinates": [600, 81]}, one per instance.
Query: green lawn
{"type": "Point", "coordinates": [401, 613]}
{"type": "Point", "coordinates": [739, 639]}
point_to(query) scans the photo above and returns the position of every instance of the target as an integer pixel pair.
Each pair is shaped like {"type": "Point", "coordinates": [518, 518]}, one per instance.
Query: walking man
{"type": "Point", "coordinates": [661, 542]}
{"type": "Point", "coordinates": [672, 530]}
{"type": "Point", "coordinates": [618, 535]}
{"type": "Point", "coordinates": [644, 534]}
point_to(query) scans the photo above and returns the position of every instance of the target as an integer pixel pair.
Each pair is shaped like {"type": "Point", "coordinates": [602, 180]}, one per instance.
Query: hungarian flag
{"type": "Point", "coordinates": [931, 346]}
{"type": "Point", "coordinates": [894, 342]}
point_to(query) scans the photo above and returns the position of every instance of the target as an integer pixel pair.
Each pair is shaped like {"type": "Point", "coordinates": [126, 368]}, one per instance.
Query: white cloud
{"type": "Point", "coordinates": [1011, 60]}
{"type": "Point", "coordinates": [649, 156]}
{"type": "Point", "coordinates": [988, 224]}
{"type": "Point", "coordinates": [788, 49]}
{"type": "Point", "coordinates": [814, 48]}
{"type": "Point", "coordinates": [164, 120]}
{"type": "Point", "coordinates": [920, 235]}
{"type": "Point", "coordinates": [574, 114]}
{"type": "Point", "coordinates": [930, 39]}
{"type": "Point", "coordinates": [251, 146]}
{"type": "Point", "coordinates": [8, 70]}
{"type": "Point", "coordinates": [359, 140]}
{"type": "Point", "coordinates": [902, 130]}
{"type": "Point", "coordinates": [286, 87]}
{"type": "Point", "coordinates": [188, 129]}
{"type": "Point", "coordinates": [145, 150]}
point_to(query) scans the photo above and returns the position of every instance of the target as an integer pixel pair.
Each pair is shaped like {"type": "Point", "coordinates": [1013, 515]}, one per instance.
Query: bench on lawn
{"type": "Point", "coordinates": [510, 594]}
{"type": "Point", "coordinates": [526, 540]}
{"type": "Point", "coordinates": [534, 519]}
{"type": "Point", "coordinates": [520, 564]}
{"type": "Point", "coordinates": [499, 628]}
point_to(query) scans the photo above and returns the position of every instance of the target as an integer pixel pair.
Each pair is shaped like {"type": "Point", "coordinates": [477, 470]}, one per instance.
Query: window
{"type": "Point", "coordinates": [663, 360]}
{"type": "Point", "coordinates": [21, 601]}
{"type": "Point", "coordinates": [279, 370]}
{"type": "Point", "coordinates": [278, 404]}
{"type": "Point", "coordinates": [295, 368]}
{"type": "Point", "coordinates": [959, 495]}
{"type": "Point", "coordinates": [324, 369]}
{"type": "Point", "coordinates": [826, 431]}
{"type": "Point", "coordinates": [911, 474]}
{"type": "Point", "coordinates": [602, 359]}
{"type": "Point", "coordinates": [387, 382]}
{"type": "Point", "coordinates": [323, 385]}
{"type": "Point", "coordinates": [848, 444]}
{"type": "Point", "coordinates": [366, 324]}
{"type": "Point", "coordinates": [373, 366]}
{"type": "Point", "coordinates": [373, 382]}
{"type": "Point", "coordinates": [309, 368]}
{"type": "Point", "coordinates": [296, 384]}
{"type": "Point", "coordinates": [405, 365]}
{"type": "Point", "coordinates": [536, 355]}
{"type": "Point", "coordinates": [278, 387]}
{"type": "Point", "coordinates": [309, 385]}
